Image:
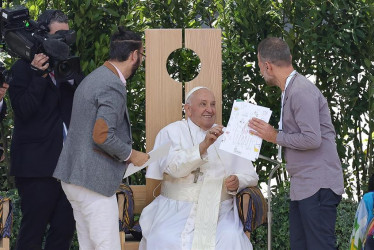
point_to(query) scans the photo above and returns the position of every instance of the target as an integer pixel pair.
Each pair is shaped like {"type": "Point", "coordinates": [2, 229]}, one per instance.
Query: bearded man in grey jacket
{"type": "Point", "coordinates": [98, 147]}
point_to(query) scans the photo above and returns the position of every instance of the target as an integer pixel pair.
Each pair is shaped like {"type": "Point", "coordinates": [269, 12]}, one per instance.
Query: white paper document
{"type": "Point", "coordinates": [154, 155]}
{"type": "Point", "coordinates": [237, 139]}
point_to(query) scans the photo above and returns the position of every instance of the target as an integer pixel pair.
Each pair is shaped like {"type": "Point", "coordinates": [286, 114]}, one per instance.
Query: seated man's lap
{"type": "Point", "coordinates": [230, 234]}
{"type": "Point", "coordinates": [166, 222]}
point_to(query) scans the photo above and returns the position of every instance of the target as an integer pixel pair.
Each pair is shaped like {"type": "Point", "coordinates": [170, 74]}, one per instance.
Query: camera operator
{"type": "Point", "coordinates": [42, 108]}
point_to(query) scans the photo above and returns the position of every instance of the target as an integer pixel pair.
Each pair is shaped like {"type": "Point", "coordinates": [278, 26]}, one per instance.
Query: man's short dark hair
{"type": "Point", "coordinates": [59, 17]}
{"type": "Point", "coordinates": [50, 16]}
{"type": "Point", "coordinates": [275, 50]}
{"type": "Point", "coordinates": [122, 43]}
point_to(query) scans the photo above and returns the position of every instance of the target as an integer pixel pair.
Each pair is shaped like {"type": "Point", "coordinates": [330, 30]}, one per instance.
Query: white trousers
{"type": "Point", "coordinates": [96, 218]}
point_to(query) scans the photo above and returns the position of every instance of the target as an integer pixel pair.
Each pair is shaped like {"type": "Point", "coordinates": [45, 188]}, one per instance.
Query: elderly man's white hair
{"type": "Point", "coordinates": [189, 94]}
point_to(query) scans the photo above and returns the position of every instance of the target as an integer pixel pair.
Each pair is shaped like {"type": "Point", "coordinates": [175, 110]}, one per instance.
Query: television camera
{"type": "Point", "coordinates": [24, 38]}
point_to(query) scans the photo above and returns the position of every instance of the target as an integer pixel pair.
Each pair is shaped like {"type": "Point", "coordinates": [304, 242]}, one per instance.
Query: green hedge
{"type": "Point", "coordinates": [280, 228]}
{"type": "Point", "coordinates": [333, 41]}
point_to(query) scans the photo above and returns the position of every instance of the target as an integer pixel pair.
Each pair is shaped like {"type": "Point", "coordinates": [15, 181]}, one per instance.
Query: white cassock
{"type": "Point", "coordinates": [188, 215]}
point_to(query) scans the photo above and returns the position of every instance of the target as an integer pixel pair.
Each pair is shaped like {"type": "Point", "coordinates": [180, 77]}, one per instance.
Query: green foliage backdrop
{"type": "Point", "coordinates": [331, 42]}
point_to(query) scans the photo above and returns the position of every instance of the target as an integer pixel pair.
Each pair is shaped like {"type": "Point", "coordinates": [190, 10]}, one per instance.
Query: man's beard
{"type": "Point", "coordinates": [270, 81]}
{"type": "Point", "coordinates": [134, 68]}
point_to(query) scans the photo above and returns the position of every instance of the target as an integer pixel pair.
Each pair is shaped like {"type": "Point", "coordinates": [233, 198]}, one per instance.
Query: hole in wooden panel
{"type": "Point", "coordinates": [183, 65]}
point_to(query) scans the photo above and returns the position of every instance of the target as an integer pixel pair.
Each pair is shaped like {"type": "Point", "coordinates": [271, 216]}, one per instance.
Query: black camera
{"type": "Point", "coordinates": [24, 38]}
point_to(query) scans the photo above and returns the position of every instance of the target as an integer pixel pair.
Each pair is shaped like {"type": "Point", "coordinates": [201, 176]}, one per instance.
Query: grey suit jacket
{"type": "Point", "coordinates": [99, 138]}
{"type": "Point", "coordinates": [308, 140]}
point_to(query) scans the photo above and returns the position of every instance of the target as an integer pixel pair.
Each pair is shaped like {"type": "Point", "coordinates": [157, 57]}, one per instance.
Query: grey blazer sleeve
{"type": "Point", "coordinates": [111, 114]}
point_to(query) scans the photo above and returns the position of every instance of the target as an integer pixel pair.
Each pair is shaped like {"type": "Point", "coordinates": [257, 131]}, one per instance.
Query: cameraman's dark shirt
{"type": "Point", "coordinates": [40, 108]}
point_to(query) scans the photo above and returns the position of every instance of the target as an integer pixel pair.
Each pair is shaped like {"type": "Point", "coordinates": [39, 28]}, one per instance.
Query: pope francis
{"type": "Point", "coordinates": [196, 208]}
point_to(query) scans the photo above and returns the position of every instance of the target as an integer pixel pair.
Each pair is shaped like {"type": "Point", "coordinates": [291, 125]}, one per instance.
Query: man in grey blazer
{"type": "Point", "coordinates": [98, 147]}
{"type": "Point", "coordinates": [308, 137]}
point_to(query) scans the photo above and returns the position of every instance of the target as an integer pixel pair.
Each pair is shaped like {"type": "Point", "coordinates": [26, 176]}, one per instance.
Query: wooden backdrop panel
{"type": "Point", "coordinates": [207, 45]}
{"type": "Point", "coordinates": [163, 94]}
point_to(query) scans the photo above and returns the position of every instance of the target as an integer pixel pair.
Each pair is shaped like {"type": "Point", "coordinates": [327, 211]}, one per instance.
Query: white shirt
{"type": "Point", "coordinates": [283, 94]}
{"type": "Point", "coordinates": [120, 74]}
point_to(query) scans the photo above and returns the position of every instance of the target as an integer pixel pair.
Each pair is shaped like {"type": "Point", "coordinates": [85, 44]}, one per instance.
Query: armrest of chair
{"type": "Point", "coordinates": [126, 208]}
{"type": "Point", "coordinates": [252, 208]}
{"type": "Point", "coordinates": [125, 200]}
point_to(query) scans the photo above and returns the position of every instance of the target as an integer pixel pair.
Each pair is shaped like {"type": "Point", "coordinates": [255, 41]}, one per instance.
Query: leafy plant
{"type": "Point", "coordinates": [331, 42]}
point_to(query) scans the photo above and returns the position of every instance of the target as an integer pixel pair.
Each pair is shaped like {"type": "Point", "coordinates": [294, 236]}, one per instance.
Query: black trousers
{"type": "Point", "coordinates": [312, 221]}
{"type": "Point", "coordinates": [43, 202]}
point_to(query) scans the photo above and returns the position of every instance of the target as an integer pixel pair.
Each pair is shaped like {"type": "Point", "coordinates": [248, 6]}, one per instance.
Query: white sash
{"type": "Point", "coordinates": [207, 215]}
{"type": "Point", "coordinates": [208, 196]}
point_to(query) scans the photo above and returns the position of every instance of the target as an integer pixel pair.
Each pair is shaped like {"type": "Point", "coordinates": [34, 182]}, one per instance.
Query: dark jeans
{"type": "Point", "coordinates": [44, 202]}
{"type": "Point", "coordinates": [312, 221]}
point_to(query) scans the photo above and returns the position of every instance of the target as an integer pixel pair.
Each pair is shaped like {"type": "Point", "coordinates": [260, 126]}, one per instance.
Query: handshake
{"type": "Point", "coordinates": [138, 158]}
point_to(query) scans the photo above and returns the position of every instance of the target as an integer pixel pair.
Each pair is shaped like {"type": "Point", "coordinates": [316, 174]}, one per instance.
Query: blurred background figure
{"type": "Point", "coordinates": [363, 226]}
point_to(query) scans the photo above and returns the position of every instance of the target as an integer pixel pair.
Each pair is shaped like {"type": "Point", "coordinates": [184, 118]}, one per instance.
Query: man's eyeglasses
{"type": "Point", "coordinates": [141, 53]}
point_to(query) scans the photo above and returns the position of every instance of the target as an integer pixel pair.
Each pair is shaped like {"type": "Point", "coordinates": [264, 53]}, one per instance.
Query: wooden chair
{"type": "Point", "coordinates": [4, 242]}
{"type": "Point", "coordinates": [164, 95]}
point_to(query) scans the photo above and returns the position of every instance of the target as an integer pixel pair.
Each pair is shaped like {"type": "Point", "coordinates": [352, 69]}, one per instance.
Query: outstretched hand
{"type": "Point", "coordinates": [138, 158]}
{"type": "Point", "coordinates": [263, 130]}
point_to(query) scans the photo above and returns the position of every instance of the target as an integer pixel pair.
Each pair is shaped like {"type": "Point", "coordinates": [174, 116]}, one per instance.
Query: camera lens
{"type": "Point", "coordinates": [67, 69]}
{"type": "Point", "coordinates": [64, 68]}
